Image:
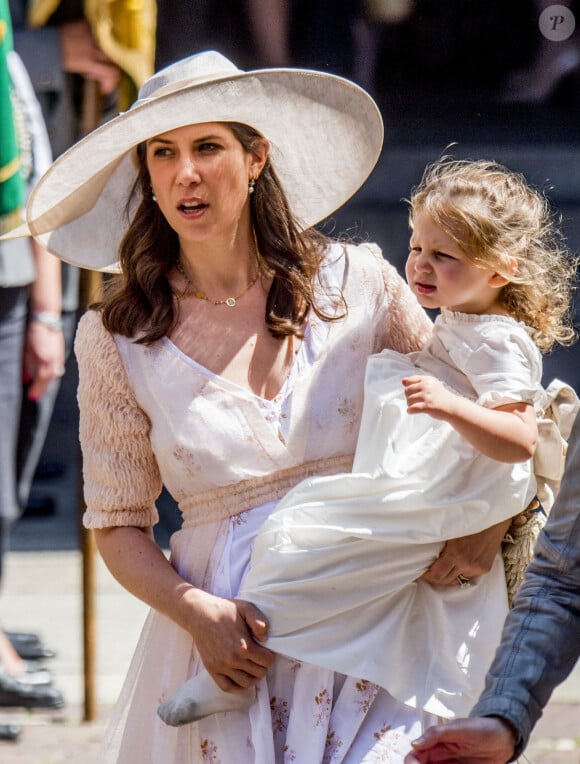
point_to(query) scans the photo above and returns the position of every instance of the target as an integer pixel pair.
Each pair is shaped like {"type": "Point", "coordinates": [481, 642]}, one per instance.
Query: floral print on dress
{"type": "Point", "coordinates": [192, 467]}
{"type": "Point", "coordinates": [295, 665]}
{"type": "Point", "coordinates": [368, 692]}
{"type": "Point", "coordinates": [332, 749]}
{"type": "Point", "coordinates": [349, 411]}
{"type": "Point", "coordinates": [280, 712]}
{"type": "Point", "coordinates": [240, 519]}
{"type": "Point", "coordinates": [323, 708]}
{"type": "Point", "coordinates": [289, 755]}
{"type": "Point", "coordinates": [388, 747]}
{"type": "Point", "coordinates": [209, 752]}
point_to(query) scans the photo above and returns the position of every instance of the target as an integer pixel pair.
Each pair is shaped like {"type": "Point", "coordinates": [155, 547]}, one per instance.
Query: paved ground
{"type": "Point", "coordinates": [43, 585]}
{"type": "Point", "coordinates": [43, 592]}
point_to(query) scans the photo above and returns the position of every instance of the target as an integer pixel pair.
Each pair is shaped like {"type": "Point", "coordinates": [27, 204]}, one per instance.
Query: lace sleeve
{"type": "Point", "coordinates": [121, 476]}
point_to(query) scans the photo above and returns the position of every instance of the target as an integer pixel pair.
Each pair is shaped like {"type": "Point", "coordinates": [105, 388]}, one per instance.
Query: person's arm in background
{"type": "Point", "coordinates": [80, 54]}
{"type": "Point", "coordinates": [44, 342]}
{"type": "Point", "coordinates": [539, 648]}
{"type": "Point", "coordinates": [44, 345]}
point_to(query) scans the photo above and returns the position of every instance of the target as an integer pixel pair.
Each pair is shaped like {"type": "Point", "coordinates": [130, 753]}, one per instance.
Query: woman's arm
{"type": "Point", "coordinates": [121, 483]}
{"type": "Point", "coordinates": [507, 433]}
{"type": "Point", "coordinates": [224, 631]}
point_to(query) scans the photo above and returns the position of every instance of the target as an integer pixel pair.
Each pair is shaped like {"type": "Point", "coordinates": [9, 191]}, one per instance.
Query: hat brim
{"type": "Point", "coordinates": [325, 134]}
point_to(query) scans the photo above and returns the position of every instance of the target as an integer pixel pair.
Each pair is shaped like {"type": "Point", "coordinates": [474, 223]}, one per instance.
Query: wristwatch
{"type": "Point", "coordinates": [51, 320]}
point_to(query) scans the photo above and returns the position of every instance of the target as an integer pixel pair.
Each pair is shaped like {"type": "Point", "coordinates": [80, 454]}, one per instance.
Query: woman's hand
{"type": "Point", "coordinates": [226, 632]}
{"type": "Point", "coordinates": [468, 556]}
{"type": "Point", "coordinates": [227, 635]}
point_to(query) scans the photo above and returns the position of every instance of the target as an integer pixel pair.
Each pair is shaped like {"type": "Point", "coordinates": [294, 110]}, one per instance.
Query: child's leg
{"type": "Point", "coordinates": [199, 697]}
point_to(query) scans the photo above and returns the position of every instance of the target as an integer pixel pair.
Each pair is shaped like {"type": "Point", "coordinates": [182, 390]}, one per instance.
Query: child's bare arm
{"type": "Point", "coordinates": [508, 433]}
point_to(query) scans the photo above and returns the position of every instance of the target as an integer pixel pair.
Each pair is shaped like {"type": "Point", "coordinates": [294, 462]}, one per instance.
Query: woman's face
{"type": "Point", "coordinates": [200, 175]}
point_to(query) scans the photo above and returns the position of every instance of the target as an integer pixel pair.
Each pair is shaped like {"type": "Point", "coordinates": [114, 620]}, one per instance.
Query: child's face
{"type": "Point", "coordinates": [440, 275]}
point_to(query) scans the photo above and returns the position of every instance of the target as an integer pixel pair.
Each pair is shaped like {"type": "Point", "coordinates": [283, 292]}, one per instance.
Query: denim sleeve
{"type": "Point", "coordinates": [541, 637]}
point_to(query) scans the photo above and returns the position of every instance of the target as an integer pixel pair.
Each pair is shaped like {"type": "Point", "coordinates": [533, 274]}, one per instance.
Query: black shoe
{"type": "Point", "coordinates": [10, 731]}
{"type": "Point", "coordinates": [25, 637]}
{"type": "Point", "coordinates": [29, 646]}
{"type": "Point", "coordinates": [34, 652]}
{"type": "Point", "coordinates": [15, 693]}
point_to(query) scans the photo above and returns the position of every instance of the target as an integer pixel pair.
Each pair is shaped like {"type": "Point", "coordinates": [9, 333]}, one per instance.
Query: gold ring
{"type": "Point", "coordinates": [463, 581]}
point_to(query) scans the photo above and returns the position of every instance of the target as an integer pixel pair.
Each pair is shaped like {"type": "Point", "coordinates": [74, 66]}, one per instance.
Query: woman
{"type": "Point", "coordinates": [227, 364]}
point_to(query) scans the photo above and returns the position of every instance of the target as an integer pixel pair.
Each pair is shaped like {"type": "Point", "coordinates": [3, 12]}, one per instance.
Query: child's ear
{"type": "Point", "coordinates": [497, 280]}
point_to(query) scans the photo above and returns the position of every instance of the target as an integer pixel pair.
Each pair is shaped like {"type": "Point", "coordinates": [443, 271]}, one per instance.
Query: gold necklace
{"type": "Point", "coordinates": [231, 302]}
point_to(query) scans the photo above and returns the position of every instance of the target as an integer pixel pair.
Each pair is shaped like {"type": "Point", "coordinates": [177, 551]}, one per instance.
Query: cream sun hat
{"type": "Point", "coordinates": [325, 134]}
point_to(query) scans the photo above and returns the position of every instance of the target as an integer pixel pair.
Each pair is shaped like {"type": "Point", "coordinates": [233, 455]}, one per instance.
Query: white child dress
{"type": "Point", "coordinates": [336, 566]}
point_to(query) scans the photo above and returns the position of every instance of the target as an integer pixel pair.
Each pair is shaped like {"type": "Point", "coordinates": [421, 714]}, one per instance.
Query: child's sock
{"type": "Point", "coordinates": [199, 697]}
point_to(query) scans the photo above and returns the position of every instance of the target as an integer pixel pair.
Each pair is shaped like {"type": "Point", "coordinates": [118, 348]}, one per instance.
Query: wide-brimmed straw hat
{"type": "Point", "coordinates": [325, 134]}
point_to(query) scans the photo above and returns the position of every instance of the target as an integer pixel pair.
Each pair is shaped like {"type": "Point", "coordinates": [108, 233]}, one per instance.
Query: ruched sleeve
{"type": "Point", "coordinates": [403, 325]}
{"type": "Point", "coordinates": [121, 476]}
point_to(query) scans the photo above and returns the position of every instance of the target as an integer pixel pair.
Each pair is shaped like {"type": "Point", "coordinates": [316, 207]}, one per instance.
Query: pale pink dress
{"type": "Point", "coordinates": [151, 415]}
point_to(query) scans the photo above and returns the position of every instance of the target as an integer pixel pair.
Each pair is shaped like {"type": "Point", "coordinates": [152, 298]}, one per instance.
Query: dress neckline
{"type": "Point", "coordinates": [450, 316]}
{"type": "Point", "coordinates": [297, 363]}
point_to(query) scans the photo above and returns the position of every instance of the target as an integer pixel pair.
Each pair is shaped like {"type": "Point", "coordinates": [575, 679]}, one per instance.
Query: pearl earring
{"type": "Point", "coordinates": [153, 194]}
{"type": "Point", "coordinates": [251, 185]}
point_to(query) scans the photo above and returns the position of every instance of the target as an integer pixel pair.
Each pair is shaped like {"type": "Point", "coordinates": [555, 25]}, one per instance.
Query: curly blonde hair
{"type": "Point", "coordinates": [495, 217]}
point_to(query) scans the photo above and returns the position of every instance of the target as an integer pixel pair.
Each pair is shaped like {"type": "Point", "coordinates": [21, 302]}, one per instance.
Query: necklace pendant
{"type": "Point", "coordinates": [231, 302]}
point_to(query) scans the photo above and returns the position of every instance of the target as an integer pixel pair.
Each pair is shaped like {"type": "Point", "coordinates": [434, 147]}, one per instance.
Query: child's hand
{"type": "Point", "coordinates": [427, 395]}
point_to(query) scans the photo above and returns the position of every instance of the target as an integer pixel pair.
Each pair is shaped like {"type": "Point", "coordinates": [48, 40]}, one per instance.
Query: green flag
{"type": "Point", "coordinates": [12, 186]}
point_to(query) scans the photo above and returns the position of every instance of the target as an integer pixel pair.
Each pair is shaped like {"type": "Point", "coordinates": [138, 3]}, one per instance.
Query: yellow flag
{"type": "Point", "coordinates": [39, 11]}
{"type": "Point", "coordinates": [124, 31]}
